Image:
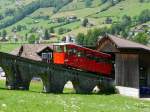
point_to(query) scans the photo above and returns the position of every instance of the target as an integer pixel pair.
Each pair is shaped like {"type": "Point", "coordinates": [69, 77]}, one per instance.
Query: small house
{"type": "Point", "coordinates": [37, 52]}
{"type": "Point", "coordinates": [131, 65]}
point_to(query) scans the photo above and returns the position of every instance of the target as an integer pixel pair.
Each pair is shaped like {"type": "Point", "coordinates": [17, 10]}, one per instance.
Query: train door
{"type": "Point", "coordinates": [59, 54]}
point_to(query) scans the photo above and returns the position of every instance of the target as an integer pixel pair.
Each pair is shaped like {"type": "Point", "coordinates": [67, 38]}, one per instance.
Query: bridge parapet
{"type": "Point", "coordinates": [20, 71]}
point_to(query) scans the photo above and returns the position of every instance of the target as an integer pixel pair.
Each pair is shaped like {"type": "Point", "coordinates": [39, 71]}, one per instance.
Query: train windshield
{"type": "Point", "coordinates": [60, 48]}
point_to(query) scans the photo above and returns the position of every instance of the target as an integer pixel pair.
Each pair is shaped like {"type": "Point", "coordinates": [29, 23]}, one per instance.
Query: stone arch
{"type": "Point", "coordinates": [96, 89]}
{"type": "Point", "coordinates": [57, 84]}
{"type": "Point", "coordinates": [69, 86]}
{"type": "Point", "coordinates": [106, 86]}
{"type": "Point", "coordinates": [36, 84]}
{"type": "Point", "coordinates": [10, 77]}
{"type": "Point", "coordinates": [46, 79]}
{"type": "Point", "coordinates": [84, 85]}
{"type": "Point", "coordinates": [2, 77]}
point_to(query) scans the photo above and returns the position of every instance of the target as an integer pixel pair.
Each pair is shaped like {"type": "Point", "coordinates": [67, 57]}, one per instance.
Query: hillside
{"type": "Point", "coordinates": [44, 18]}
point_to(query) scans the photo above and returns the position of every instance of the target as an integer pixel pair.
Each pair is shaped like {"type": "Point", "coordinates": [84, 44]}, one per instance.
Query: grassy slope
{"type": "Point", "coordinates": [4, 4]}
{"type": "Point", "coordinates": [77, 7]}
{"type": "Point", "coordinates": [29, 22]}
{"type": "Point", "coordinates": [48, 11]}
{"type": "Point", "coordinates": [34, 101]}
{"type": "Point", "coordinates": [128, 7]}
{"type": "Point", "coordinates": [8, 47]}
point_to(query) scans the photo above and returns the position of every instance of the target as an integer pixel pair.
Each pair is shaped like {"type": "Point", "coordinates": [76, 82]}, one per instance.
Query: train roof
{"type": "Point", "coordinates": [82, 48]}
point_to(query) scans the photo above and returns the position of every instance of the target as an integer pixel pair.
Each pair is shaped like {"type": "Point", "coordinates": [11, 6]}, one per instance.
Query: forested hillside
{"type": "Point", "coordinates": [49, 20]}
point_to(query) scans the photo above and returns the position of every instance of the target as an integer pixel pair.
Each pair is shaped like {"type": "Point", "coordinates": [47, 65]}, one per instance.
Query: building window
{"type": "Point", "coordinates": [46, 57]}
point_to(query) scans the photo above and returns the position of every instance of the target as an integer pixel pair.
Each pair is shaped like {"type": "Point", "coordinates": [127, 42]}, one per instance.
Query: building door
{"type": "Point", "coordinates": [143, 77]}
{"type": "Point", "coordinates": [144, 88]}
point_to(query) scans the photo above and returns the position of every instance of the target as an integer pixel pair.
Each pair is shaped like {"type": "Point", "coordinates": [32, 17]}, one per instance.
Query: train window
{"type": "Point", "coordinates": [100, 59]}
{"type": "Point", "coordinates": [72, 51]}
{"type": "Point", "coordinates": [81, 54]}
{"type": "Point", "coordinates": [65, 48]}
{"type": "Point", "coordinates": [89, 56]}
{"type": "Point", "coordinates": [59, 48]}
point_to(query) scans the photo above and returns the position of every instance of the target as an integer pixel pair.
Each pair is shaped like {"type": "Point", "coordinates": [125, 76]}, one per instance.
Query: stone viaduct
{"type": "Point", "coordinates": [20, 71]}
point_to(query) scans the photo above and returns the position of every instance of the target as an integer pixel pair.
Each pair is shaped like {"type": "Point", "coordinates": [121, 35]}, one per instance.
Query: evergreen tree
{"type": "Point", "coordinates": [61, 31]}
{"type": "Point", "coordinates": [126, 21]}
{"type": "Point", "coordinates": [51, 30]}
{"type": "Point", "coordinates": [142, 38]}
{"type": "Point", "coordinates": [4, 34]}
{"type": "Point", "coordinates": [85, 22]}
{"type": "Point", "coordinates": [80, 38]}
{"type": "Point", "coordinates": [32, 39]}
{"type": "Point", "coordinates": [144, 16]}
{"type": "Point", "coordinates": [88, 3]}
{"type": "Point", "coordinates": [103, 1]}
{"type": "Point", "coordinates": [46, 35]}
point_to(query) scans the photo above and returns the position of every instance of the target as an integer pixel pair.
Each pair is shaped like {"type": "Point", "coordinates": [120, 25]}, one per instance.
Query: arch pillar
{"type": "Point", "coordinates": [84, 85]}
{"type": "Point", "coordinates": [106, 86]}
{"type": "Point", "coordinates": [57, 81]}
{"type": "Point", "coordinates": [46, 78]}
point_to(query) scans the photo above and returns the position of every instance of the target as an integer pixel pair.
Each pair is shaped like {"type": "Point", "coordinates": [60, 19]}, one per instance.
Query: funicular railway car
{"type": "Point", "coordinates": [75, 56]}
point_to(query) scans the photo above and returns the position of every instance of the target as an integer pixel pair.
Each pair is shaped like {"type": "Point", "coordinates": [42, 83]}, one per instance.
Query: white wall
{"type": "Point", "coordinates": [127, 91]}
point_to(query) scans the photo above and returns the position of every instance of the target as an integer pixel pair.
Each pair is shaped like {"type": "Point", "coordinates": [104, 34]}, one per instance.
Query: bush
{"type": "Point", "coordinates": [142, 38]}
{"type": "Point", "coordinates": [32, 39]}
{"type": "Point", "coordinates": [85, 22]}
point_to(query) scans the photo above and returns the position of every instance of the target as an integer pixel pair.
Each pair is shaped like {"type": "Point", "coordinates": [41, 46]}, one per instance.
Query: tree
{"type": "Point", "coordinates": [19, 28]}
{"type": "Point", "coordinates": [142, 38]}
{"type": "Point", "coordinates": [85, 22]}
{"type": "Point", "coordinates": [126, 21]}
{"type": "Point", "coordinates": [94, 34]}
{"type": "Point", "coordinates": [141, 1]}
{"type": "Point", "coordinates": [88, 3]}
{"type": "Point", "coordinates": [32, 39]}
{"type": "Point", "coordinates": [80, 38]}
{"type": "Point", "coordinates": [61, 31]}
{"type": "Point", "coordinates": [46, 35]}
{"type": "Point", "coordinates": [1, 17]}
{"type": "Point", "coordinates": [26, 36]}
{"type": "Point", "coordinates": [125, 32]}
{"type": "Point", "coordinates": [51, 30]}
{"type": "Point", "coordinates": [4, 34]}
{"type": "Point", "coordinates": [115, 28]}
{"type": "Point", "coordinates": [91, 37]}
{"type": "Point", "coordinates": [29, 9]}
{"type": "Point", "coordinates": [122, 27]}
{"type": "Point", "coordinates": [103, 1]}
{"type": "Point", "coordinates": [144, 16]}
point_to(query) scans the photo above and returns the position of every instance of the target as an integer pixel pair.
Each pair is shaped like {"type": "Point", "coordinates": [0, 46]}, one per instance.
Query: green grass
{"type": "Point", "coordinates": [8, 47]}
{"type": "Point", "coordinates": [35, 101]}
{"type": "Point", "coordinates": [79, 4]}
{"type": "Point", "coordinates": [128, 7]}
{"type": "Point", "coordinates": [77, 8]}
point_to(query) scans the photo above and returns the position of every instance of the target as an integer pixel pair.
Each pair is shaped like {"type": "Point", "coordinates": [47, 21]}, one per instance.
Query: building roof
{"type": "Point", "coordinates": [121, 43]}
{"type": "Point", "coordinates": [30, 51]}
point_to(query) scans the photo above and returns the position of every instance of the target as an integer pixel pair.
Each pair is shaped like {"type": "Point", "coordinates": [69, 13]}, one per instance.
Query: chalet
{"type": "Point", "coordinates": [132, 65]}
{"type": "Point", "coordinates": [140, 29]}
{"type": "Point", "coordinates": [108, 20]}
{"type": "Point", "coordinates": [38, 52]}
{"type": "Point", "coordinates": [68, 39]}
{"type": "Point", "coordinates": [71, 18]}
